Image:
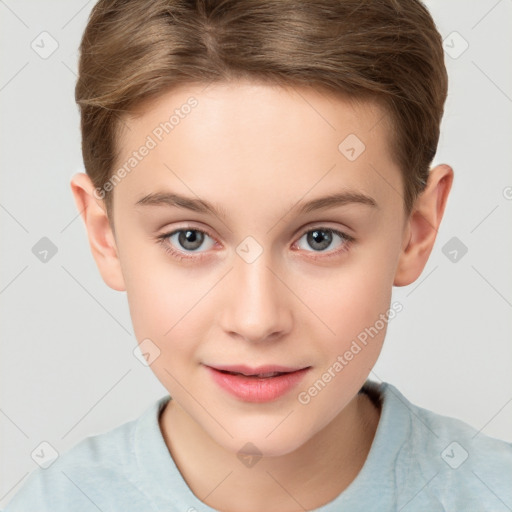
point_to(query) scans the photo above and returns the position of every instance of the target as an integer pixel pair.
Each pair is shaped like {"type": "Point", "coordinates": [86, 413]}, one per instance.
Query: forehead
{"type": "Point", "coordinates": [276, 142]}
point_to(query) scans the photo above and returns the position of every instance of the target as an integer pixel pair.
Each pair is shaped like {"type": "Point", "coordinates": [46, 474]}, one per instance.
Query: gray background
{"type": "Point", "coordinates": [67, 367]}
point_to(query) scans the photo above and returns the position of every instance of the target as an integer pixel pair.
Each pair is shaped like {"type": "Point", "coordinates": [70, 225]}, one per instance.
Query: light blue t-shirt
{"type": "Point", "coordinates": [418, 461]}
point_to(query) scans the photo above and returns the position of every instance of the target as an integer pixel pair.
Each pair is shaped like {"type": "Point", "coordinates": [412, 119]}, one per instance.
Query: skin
{"type": "Point", "coordinates": [256, 150]}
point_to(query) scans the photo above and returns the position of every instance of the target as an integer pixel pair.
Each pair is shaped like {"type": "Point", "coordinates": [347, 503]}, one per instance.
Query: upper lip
{"type": "Point", "coordinates": [258, 370]}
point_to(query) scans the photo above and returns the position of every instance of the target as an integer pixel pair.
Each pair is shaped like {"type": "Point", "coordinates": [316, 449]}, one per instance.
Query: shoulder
{"type": "Point", "coordinates": [459, 466]}
{"type": "Point", "coordinates": [98, 472]}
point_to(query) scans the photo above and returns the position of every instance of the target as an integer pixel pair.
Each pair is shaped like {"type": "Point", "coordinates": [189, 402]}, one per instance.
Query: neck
{"type": "Point", "coordinates": [305, 479]}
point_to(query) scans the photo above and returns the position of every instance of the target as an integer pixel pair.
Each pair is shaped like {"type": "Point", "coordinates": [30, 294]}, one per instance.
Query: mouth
{"type": "Point", "coordinates": [262, 372]}
{"type": "Point", "coordinates": [261, 384]}
{"type": "Point", "coordinates": [256, 375]}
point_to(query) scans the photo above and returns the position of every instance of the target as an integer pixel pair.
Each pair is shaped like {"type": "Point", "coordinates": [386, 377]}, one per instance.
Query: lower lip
{"type": "Point", "coordinates": [253, 389]}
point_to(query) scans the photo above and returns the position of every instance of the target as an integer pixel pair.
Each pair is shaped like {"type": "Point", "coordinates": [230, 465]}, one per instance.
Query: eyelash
{"type": "Point", "coordinates": [162, 240]}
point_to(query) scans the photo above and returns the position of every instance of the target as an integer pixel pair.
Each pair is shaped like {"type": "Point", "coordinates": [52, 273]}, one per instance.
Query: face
{"type": "Point", "coordinates": [268, 275]}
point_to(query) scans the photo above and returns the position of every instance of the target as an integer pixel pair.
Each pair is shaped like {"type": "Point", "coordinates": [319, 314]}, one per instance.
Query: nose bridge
{"type": "Point", "coordinates": [256, 307]}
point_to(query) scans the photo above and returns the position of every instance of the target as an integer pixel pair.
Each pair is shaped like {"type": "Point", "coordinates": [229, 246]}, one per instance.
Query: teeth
{"type": "Point", "coordinates": [259, 375]}
{"type": "Point", "coordinates": [270, 374]}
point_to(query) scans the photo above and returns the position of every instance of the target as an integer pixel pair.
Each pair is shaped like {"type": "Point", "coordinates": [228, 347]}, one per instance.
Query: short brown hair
{"type": "Point", "coordinates": [388, 51]}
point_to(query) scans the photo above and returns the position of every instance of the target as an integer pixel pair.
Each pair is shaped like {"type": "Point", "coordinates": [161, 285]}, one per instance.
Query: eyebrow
{"type": "Point", "coordinates": [199, 205]}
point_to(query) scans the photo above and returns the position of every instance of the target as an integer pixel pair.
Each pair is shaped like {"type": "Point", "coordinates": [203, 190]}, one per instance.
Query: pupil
{"type": "Point", "coordinates": [191, 239]}
{"type": "Point", "coordinates": [323, 238]}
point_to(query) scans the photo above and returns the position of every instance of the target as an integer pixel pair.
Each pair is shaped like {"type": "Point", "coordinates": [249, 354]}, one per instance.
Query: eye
{"type": "Point", "coordinates": [183, 241]}
{"type": "Point", "coordinates": [322, 238]}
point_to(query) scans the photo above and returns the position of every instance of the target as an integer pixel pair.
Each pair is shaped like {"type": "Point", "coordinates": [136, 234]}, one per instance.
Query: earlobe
{"type": "Point", "coordinates": [422, 226]}
{"type": "Point", "coordinates": [99, 232]}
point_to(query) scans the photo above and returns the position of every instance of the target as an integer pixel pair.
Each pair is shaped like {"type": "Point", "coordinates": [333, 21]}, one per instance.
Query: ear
{"type": "Point", "coordinates": [421, 228]}
{"type": "Point", "coordinates": [101, 238]}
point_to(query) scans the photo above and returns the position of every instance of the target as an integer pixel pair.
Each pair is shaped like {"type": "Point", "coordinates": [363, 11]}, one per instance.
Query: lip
{"type": "Point", "coordinates": [258, 370]}
{"type": "Point", "coordinates": [249, 388]}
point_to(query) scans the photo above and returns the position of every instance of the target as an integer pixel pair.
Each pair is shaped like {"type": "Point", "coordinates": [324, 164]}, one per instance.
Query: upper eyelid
{"type": "Point", "coordinates": [302, 231]}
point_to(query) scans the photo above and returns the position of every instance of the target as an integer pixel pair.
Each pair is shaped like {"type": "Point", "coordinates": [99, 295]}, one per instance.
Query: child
{"type": "Point", "coordinates": [258, 179]}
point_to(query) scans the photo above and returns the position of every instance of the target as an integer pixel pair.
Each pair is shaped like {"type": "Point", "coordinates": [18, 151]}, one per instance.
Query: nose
{"type": "Point", "coordinates": [257, 305]}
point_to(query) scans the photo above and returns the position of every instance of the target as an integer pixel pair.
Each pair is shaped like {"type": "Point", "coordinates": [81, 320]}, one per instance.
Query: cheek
{"type": "Point", "coordinates": [172, 307]}
{"type": "Point", "coordinates": [161, 297]}
{"type": "Point", "coordinates": [357, 309]}
{"type": "Point", "coordinates": [351, 297]}
{"type": "Point", "coordinates": [166, 308]}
